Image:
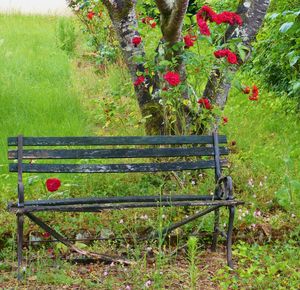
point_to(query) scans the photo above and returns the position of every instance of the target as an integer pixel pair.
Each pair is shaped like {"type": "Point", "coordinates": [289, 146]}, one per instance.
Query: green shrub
{"type": "Point", "coordinates": [277, 53]}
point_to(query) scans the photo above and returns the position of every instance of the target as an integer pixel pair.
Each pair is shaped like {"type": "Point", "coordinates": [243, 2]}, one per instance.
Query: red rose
{"type": "Point", "coordinates": [189, 40]}
{"type": "Point", "coordinates": [255, 91]}
{"type": "Point", "coordinates": [150, 21]}
{"type": "Point", "coordinates": [90, 15]}
{"type": "Point", "coordinates": [136, 40]}
{"type": "Point", "coordinates": [53, 184]}
{"type": "Point", "coordinates": [203, 27]}
{"type": "Point", "coordinates": [221, 53]}
{"type": "Point", "coordinates": [246, 90]}
{"type": "Point", "coordinates": [254, 96]}
{"type": "Point", "coordinates": [228, 17]}
{"type": "Point", "coordinates": [46, 235]}
{"type": "Point", "coordinates": [205, 103]}
{"type": "Point", "coordinates": [225, 120]}
{"type": "Point", "coordinates": [224, 17]}
{"type": "Point", "coordinates": [238, 19]}
{"type": "Point", "coordinates": [172, 78]}
{"type": "Point", "coordinates": [207, 12]}
{"type": "Point", "coordinates": [153, 24]}
{"type": "Point", "coordinates": [147, 19]}
{"type": "Point", "coordinates": [139, 80]}
{"type": "Point", "coordinates": [232, 58]}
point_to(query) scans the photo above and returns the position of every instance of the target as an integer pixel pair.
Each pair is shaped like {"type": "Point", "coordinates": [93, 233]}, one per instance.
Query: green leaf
{"type": "Point", "coordinates": [165, 63]}
{"type": "Point", "coordinates": [296, 86]}
{"type": "Point", "coordinates": [273, 16]}
{"type": "Point", "coordinates": [80, 245]}
{"type": "Point", "coordinates": [61, 248]}
{"type": "Point", "coordinates": [294, 60]}
{"type": "Point", "coordinates": [177, 46]}
{"type": "Point", "coordinates": [242, 54]}
{"type": "Point", "coordinates": [286, 26]}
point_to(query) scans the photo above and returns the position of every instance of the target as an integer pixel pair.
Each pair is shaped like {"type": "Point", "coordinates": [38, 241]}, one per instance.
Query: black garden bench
{"type": "Point", "coordinates": [188, 152]}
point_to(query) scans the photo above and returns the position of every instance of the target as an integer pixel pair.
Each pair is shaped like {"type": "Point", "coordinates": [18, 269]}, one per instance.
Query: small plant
{"type": "Point", "coordinates": [66, 35]}
{"type": "Point", "coordinates": [192, 254]}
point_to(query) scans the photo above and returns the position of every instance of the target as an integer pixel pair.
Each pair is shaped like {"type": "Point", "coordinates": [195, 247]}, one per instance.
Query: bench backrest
{"type": "Point", "coordinates": [149, 147]}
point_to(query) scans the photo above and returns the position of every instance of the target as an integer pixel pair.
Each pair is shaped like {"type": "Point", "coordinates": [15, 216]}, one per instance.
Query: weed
{"type": "Point", "coordinates": [192, 255]}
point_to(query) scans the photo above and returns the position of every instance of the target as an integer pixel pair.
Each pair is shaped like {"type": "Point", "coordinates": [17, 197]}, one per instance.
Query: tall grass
{"type": "Point", "coordinates": [36, 90]}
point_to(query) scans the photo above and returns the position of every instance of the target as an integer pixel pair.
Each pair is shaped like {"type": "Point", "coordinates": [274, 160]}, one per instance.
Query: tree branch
{"type": "Point", "coordinates": [165, 7]}
{"type": "Point", "coordinates": [172, 15]}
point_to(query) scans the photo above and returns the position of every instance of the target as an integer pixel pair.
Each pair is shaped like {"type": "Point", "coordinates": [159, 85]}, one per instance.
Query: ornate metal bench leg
{"type": "Point", "coordinates": [20, 225]}
{"type": "Point", "coordinates": [229, 236]}
{"type": "Point", "coordinates": [216, 231]}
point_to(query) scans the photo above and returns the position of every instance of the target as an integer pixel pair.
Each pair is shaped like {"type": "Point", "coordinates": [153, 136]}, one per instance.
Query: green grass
{"type": "Point", "coordinates": [267, 150]}
{"type": "Point", "coordinates": [37, 92]}
{"type": "Point", "coordinates": [36, 87]}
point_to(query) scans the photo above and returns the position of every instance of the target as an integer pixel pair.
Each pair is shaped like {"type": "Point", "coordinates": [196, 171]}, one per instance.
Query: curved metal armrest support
{"type": "Point", "coordinates": [224, 188]}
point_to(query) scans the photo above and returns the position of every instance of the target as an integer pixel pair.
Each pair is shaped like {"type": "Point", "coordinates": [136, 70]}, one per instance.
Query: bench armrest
{"type": "Point", "coordinates": [224, 188]}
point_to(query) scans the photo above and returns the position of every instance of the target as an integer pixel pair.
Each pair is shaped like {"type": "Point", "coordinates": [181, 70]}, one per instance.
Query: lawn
{"type": "Point", "coordinates": [45, 91]}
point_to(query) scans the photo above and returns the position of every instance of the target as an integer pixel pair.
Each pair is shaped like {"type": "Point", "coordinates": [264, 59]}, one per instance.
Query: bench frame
{"type": "Point", "coordinates": [223, 195]}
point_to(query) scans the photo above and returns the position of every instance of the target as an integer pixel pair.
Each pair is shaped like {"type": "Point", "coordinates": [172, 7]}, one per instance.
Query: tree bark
{"type": "Point", "coordinates": [253, 13]}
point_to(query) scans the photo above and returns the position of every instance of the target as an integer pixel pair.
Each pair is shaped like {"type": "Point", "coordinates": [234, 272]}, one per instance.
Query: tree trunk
{"type": "Point", "coordinates": [172, 14]}
{"type": "Point", "coordinates": [253, 13]}
{"type": "Point", "coordinates": [123, 16]}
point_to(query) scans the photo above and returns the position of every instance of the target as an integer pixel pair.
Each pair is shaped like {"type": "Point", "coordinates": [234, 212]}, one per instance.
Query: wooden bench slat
{"type": "Point", "coordinates": [122, 140]}
{"type": "Point", "coordinates": [115, 168]}
{"type": "Point", "coordinates": [115, 153]}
